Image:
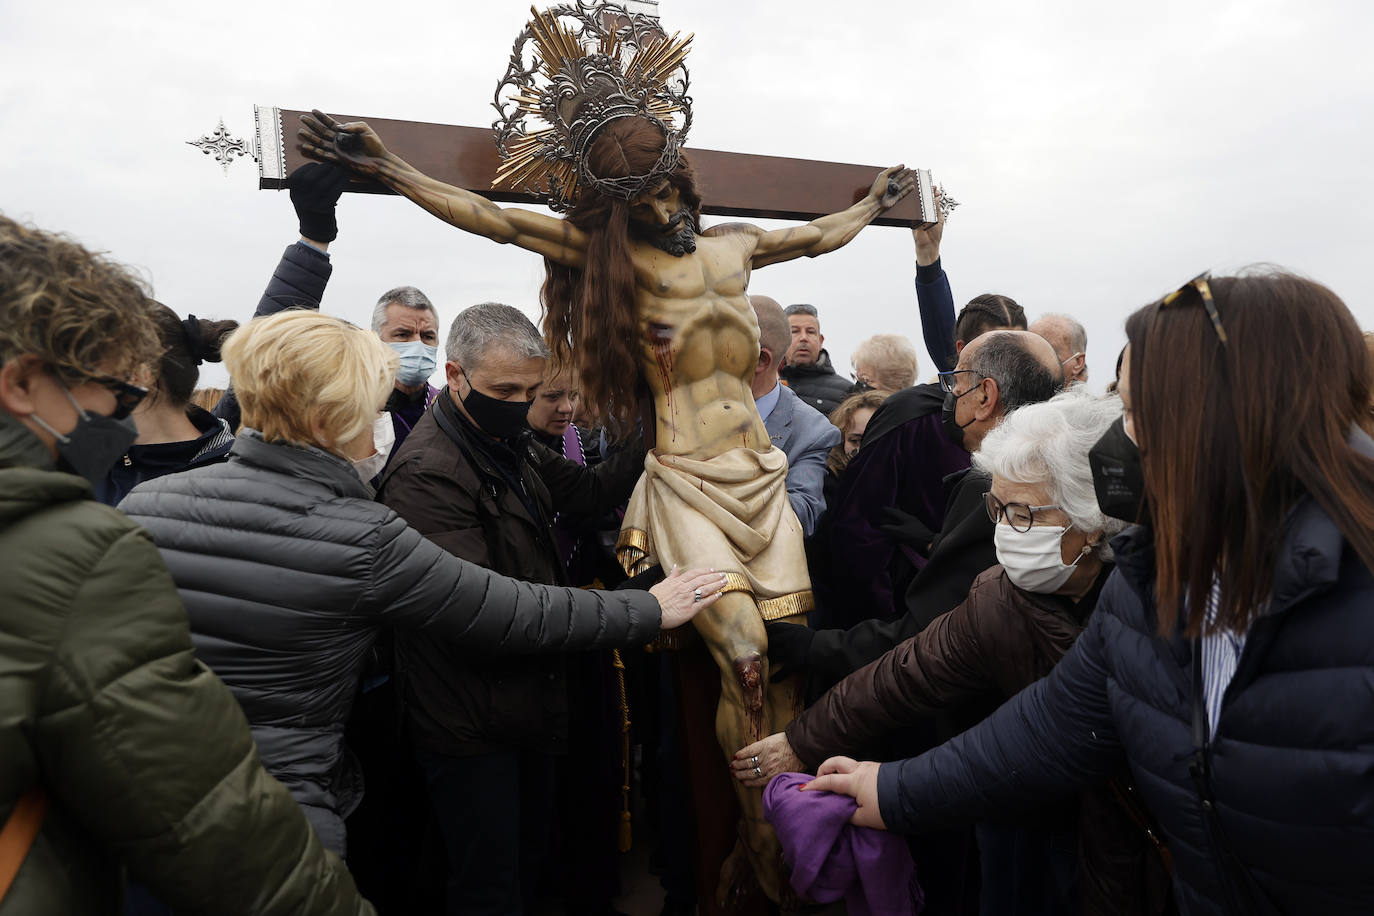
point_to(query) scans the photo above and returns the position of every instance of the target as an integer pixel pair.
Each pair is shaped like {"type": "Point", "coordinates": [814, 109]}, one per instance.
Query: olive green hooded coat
{"type": "Point", "coordinates": [144, 754]}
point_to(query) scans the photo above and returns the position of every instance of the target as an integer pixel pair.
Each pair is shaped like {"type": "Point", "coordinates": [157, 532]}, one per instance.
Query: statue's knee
{"type": "Point", "coordinates": [749, 673]}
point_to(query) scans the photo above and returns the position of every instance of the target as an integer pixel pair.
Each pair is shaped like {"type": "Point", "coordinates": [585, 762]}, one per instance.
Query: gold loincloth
{"type": "Point", "coordinates": [729, 513]}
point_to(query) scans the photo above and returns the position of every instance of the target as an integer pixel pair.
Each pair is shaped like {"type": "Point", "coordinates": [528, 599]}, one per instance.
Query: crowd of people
{"type": "Point", "coordinates": [337, 638]}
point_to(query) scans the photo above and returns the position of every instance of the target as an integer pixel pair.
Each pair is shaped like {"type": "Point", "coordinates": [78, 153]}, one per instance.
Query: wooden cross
{"type": "Point", "coordinates": [730, 184]}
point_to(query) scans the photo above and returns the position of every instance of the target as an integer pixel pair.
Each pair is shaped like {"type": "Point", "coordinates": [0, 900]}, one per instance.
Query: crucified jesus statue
{"type": "Point", "coordinates": [638, 297]}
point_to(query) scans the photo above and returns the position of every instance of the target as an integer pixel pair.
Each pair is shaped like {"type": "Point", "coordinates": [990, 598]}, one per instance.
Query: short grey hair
{"type": "Point", "coordinates": [1006, 358]}
{"type": "Point", "coordinates": [406, 296]}
{"type": "Point", "coordinates": [1047, 444]}
{"type": "Point", "coordinates": [478, 331]}
{"type": "Point", "coordinates": [893, 359]}
{"type": "Point", "coordinates": [801, 308]}
{"type": "Point", "coordinates": [1075, 333]}
{"type": "Point", "coordinates": [774, 334]}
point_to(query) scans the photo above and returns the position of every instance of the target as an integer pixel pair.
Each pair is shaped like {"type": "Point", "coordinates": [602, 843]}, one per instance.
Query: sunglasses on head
{"type": "Point", "coordinates": [1199, 285]}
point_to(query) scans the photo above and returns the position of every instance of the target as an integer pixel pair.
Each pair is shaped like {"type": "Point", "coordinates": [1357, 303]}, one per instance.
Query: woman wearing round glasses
{"type": "Point", "coordinates": [1019, 619]}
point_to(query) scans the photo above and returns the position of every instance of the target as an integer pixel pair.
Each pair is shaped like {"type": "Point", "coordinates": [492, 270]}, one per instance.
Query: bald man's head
{"type": "Point", "coordinates": [1023, 364]}
{"type": "Point", "coordinates": [1070, 342]}
{"type": "Point", "coordinates": [998, 372]}
{"type": "Point", "coordinates": [775, 335]}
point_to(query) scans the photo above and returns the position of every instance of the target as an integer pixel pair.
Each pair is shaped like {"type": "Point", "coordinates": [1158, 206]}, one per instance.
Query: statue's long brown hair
{"type": "Point", "coordinates": [589, 314]}
{"type": "Point", "coordinates": [1233, 438]}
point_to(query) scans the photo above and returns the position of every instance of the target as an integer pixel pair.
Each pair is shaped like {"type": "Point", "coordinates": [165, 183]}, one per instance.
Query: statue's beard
{"type": "Point", "coordinates": [677, 242]}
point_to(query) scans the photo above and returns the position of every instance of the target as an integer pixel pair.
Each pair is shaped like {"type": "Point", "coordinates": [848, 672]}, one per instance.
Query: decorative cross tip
{"type": "Point", "coordinates": [947, 203]}
{"type": "Point", "coordinates": [224, 147]}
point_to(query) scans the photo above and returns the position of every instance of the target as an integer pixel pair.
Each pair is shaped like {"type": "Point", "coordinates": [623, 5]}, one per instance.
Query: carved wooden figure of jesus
{"type": "Point", "coordinates": [638, 296]}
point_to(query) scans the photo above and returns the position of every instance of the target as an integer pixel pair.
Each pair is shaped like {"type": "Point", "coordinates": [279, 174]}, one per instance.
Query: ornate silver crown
{"type": "Point", "coordinates": [574, 69]}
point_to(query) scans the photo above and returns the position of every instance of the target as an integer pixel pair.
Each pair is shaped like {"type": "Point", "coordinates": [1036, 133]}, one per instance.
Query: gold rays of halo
{"type": "Point", "coordinates": [531, 163]}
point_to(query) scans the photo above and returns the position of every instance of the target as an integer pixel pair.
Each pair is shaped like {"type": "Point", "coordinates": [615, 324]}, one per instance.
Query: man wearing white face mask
{"type": "Point", "coordinates": [1019, 619]}
{"type": "Point", "coordinates": [408, 323]}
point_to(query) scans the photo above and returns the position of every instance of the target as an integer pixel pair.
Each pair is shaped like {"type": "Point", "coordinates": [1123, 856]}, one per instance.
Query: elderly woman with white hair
{"type": "Point", "coordinates": [289, 569]}
{"type": "Point", "coordinates": [1019, 619]}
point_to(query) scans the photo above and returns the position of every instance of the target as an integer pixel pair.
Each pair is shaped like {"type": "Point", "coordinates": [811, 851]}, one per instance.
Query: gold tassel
{"type": "Point", "coordinates": [618, 663]}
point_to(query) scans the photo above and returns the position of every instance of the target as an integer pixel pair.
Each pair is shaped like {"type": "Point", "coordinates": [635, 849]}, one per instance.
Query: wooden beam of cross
{"type": "Point", "coordinates": [731, 184]}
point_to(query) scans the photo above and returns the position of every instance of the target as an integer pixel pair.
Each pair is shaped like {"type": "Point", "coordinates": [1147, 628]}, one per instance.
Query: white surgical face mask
{"type": "Point", "coordinates": [417, 361]}
{"type": "Point", "coordinates": [383, 439]}
{"type": "Point", "coordinates": [1033, 559]}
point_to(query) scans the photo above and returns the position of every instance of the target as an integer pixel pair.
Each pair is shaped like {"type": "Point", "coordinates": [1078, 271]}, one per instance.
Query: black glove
{"type": "Point", "coordinates": [905, 528]}
{"type": "Point", "coordinates": [789, 648]}
{"type": "Point", "coordinates": [315, 189]}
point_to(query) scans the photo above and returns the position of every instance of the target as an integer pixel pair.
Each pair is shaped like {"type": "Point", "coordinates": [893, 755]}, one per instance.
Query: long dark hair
{"type": "Point", "coordinates": [589, 314]}
{"type": "Point", "coordinates": [1233, 437]}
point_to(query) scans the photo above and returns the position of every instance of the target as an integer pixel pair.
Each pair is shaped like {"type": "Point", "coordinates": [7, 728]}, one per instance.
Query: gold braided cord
{"type": "Point", "coordinates": [625, 837]}
{"type": "Point", "coordinates": [786, 606]}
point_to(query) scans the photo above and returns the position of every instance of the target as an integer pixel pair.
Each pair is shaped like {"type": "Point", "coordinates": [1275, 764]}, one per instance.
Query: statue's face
{"type": "Point", "coordinates": [659, 217]}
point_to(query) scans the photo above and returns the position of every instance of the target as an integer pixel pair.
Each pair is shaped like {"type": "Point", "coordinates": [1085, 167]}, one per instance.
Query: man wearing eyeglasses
{"type": "Point", "coordinates": [1070, 342]}
{"type": "Point", "coordinates": [996, 373]}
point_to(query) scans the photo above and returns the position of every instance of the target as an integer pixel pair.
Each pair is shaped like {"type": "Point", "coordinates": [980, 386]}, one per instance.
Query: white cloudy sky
{"type": "Point", "coordinates": [1104, 152]}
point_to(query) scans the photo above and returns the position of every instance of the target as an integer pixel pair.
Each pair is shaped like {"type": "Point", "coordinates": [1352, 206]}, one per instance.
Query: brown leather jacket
{"type": "Point", "coordinates": [995, 643]}
{"type": "Point", "coordinates": [999, 641]}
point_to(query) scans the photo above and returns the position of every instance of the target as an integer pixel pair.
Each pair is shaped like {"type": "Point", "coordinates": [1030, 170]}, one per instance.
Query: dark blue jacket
{"type": "Point", "coordinates": [1292, 762]}
{"type": "Point", "coordinates": [145, 462]}
{"type": "Point", "coordinates": [936, 305]}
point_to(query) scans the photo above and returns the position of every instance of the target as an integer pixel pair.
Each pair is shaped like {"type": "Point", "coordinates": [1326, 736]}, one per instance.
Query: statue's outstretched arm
{"type": "Point", "coordinates": [357, 147]}
{"type": "Point", "coordinates": [837, 229]}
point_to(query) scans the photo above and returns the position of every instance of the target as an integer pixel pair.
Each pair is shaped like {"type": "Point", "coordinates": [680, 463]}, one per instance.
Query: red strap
{"type": "Point", "coordinates": [19, 833]}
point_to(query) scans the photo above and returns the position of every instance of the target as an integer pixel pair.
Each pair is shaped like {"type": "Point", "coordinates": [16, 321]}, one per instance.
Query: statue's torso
{"type": "Point", "coordinates": [699, 344]}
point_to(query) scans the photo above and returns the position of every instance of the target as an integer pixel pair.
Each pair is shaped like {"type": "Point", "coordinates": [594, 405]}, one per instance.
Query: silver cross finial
{"type": "Point", "coordinates": [223, 147]}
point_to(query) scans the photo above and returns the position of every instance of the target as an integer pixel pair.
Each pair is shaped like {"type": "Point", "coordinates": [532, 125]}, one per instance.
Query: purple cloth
{"type": "Point", "coordinates": [407, 409]}
{"type": "Point", "coordinates": [830, 858]}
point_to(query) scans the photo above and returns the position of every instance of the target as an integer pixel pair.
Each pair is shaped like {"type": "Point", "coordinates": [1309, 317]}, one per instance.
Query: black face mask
{"type": "Point", "coordinates": [498, 419]}
{"type": "Point", "coordinates": [94, 445]}
{"type": "Point", "coordinates": [1117, 478]}
{"type": "Point", "coordinates": [953, 430]}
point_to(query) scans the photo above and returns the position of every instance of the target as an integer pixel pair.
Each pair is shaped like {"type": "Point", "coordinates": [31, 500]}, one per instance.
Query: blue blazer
{"type": "Point", "coordinates": [806, 438]}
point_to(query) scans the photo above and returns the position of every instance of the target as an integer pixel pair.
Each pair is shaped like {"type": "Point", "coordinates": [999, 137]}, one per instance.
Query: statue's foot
{"type": "Point", "coordinates": [737, 880]}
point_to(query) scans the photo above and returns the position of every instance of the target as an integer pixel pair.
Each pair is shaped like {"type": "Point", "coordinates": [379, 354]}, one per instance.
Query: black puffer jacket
{"type": "Point", "coordinates": [288, 571]}
{"type": "Point", "coordinates": [818, 384]}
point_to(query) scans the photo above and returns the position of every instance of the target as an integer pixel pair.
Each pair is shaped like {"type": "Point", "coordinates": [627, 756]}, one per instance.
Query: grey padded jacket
{"type": "Point", "coordinates": [288, 570]}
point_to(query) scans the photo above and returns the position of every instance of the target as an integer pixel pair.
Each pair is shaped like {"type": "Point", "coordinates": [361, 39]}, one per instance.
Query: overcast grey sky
{"type": "Point", "coordinates": [1104, 152]}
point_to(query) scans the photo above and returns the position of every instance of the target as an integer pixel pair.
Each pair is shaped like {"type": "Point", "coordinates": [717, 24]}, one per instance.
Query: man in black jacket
{"type": "Point", "coordinates": [808, 371]}
{"type": "Point", "coordinates": [487, 729]}
{"type": "Point", "coordinates": [996, 373]}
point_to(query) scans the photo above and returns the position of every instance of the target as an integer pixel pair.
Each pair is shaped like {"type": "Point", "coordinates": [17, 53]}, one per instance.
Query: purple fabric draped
{"type": "Point", "coordinates": [830, 858]}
